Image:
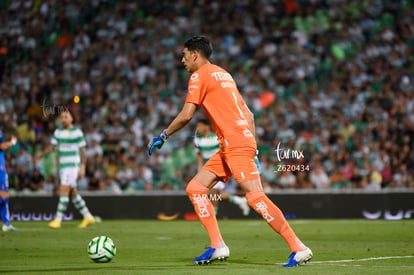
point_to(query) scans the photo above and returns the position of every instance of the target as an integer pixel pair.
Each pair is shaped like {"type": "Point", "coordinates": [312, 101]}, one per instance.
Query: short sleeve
{"type": "Point", "coordinates": [196, 89]}
{"type": "Point", "coordinates": [54, 139]}
{"type": "Point", "coordinates": [81, 139]}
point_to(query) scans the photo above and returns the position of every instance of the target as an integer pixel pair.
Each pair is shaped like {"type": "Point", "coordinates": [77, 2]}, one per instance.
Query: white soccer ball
{"type": "Point", "coordinates": [101, 249]}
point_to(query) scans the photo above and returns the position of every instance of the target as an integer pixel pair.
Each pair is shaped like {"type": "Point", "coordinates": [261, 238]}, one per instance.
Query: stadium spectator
{"type": "Point", "coordinates": [95, 184]}
{"type": "Point", "coordinates": [146, 175]}
{"type": "Point", "coordinates": [24, 159]}
{"type": "Point", "coordinates": [286, 179]}
{"type": "Point", "coordinates": [269, 177]}
{"type": "Point", "coordinates": [23, 178]}
{"type": "Point", "coordinates": [339, 181]}
{"type": "Point", "coordinates": [37, 181]}
{"type": "Point", "coordinates": [318, 176]}
{"type": "Point", "coordinates": [50, 185]}
{"type": "Point", "coordinates": [94, 149]}
{"type": "Point", "coordinates": [127, 174]}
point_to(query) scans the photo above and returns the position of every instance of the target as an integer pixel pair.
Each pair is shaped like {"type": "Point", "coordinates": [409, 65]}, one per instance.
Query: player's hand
{"type": "Point", "coordinates": [38, 157]}
{"type": "Point", "coordinates": [81, 172]}
{"type": "Point", "coordinates": [4, 195]}
{"type": "Point", "coordinates": [257, 162]}
{"type": "Point", "coordinates": [13, 140]}
{"type": "Point", "coordinates": [157, 142]}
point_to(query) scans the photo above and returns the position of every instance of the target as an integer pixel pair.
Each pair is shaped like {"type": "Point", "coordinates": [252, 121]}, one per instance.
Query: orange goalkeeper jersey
{"type": "Point", "coordinates": [214, 89]}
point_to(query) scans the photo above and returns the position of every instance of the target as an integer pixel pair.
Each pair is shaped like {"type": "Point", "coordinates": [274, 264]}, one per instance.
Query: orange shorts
{"type": "Point", "coordinates": [237, 162]}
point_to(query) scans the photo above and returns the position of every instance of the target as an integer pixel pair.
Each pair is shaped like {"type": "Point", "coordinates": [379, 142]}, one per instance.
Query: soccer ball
{"type": "Point", "coordinates": [101, 249]}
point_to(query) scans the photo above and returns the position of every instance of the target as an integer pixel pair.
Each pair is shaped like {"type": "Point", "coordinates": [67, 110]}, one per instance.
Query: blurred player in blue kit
{"type": "Point", "coordinates": [4, 183]}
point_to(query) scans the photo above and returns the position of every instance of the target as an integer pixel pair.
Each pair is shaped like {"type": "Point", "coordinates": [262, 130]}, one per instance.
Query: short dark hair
{"type": "Point", "coordinates": [201, 44]}
{"type": "Point", "coordinates": [204, 121]}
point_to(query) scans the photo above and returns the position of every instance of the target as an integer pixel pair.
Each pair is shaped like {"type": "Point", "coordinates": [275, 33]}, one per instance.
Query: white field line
{"type": "Point", "coordinates": [363, 259]}
{"type": "Point", "coordinates": [360, 260]}
{"type": "Point", "coordinates": [33, 229]}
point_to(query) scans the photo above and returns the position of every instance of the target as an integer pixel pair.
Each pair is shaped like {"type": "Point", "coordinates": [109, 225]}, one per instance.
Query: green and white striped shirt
{"type": "Point", "coordinates": [207, 146]}
{"type": "Point", "coordinates": [68, 142]}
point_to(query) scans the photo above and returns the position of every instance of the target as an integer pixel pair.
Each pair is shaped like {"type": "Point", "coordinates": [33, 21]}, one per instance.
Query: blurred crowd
{"type": "Point", "coordinates": [329, 80]}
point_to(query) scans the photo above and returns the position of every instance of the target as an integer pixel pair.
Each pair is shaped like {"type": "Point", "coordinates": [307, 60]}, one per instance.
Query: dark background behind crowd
{"type": "Point", "coordinates": [330, 78]}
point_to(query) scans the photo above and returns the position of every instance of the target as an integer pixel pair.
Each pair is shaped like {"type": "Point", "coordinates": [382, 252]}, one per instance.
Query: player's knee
{"type": "Point", "coordinates": [215, 191]}
{"type": "Point", "coordinates": [253, 197]}
{"type": "Point", "coordinates": [4, 195]}
{"type": "Point", "coordinates": [195, 187]}
{"type": "Point", "coordinates": [64, 189]}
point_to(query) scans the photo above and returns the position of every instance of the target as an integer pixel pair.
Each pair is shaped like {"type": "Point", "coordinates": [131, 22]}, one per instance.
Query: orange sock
{"type": "Point", "coordinates": [197, 193]}
{"type": "Point", "coordinates": [275, 218]}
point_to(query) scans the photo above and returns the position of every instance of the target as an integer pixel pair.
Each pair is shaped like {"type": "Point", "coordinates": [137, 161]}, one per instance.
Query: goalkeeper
{"type": "Point", "coordinates": [213, 89]}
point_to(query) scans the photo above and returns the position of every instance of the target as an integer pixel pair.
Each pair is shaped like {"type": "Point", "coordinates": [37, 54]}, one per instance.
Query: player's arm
{"type": "Point", "coordinates": [7, 144]}
{"type": "Point", "coordinates": [49, 148]}
{"type": "Point", "coordinates": [183, 117]}
{"type": "Point", "coordinates": [82, 152]}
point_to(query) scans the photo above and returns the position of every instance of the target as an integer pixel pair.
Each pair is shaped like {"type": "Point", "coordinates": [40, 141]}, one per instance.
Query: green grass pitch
{"type": "Point", "coordinates": [167, 247]}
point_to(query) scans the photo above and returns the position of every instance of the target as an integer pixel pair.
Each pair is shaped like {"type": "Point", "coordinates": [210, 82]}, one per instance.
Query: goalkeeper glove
{"type": "Point", "coordinates": [157, 142]}
{"type": "Point", "coordinates": [257, 162]}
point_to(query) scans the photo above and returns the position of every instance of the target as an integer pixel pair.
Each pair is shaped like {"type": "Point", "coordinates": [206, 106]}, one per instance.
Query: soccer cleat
{"type": "Point", "coordinates": [86, 222]}
{"type": "Point", "coordinates": [244, 206]}
{"type": "Point", "coordinates": [55, 224]}
{"type": "Point", "coordinates": [298, 258]}
{"type": "Point", "coordinates": [8, 228]}
{"type": "Point", "coordinates": [212, 254]}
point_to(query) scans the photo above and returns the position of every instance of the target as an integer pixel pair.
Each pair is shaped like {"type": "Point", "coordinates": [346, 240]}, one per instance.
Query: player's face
{"type": "Point", "coordinates": [188, 59]}
{"type": "Point", "coordinates": [66, 119]}
{"type": "Point", "coordinates": [202, 129]}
